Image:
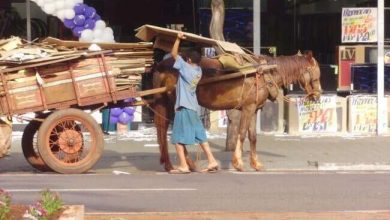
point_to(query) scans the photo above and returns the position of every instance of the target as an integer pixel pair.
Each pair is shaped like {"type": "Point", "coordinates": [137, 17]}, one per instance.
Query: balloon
{"type": "Point", "coordinates": [69, 4]}
{"type": "Point", "coordinates": [108, 30]}
{"type": "Point", "coordinates": [79, 8]}
{"type": "Point", "coordinates": [116, 111]}
{"type": "Point", "coordinates": [79, 20]}
{"type": "Point", "coordinates": [97, 17]}
{"type": "Point", "coordinates": [124, 118]}
{"type": "Point", "coordinates": [97, 33]}
{"type": "Point", "coordinates": [69, 23]}
{"type": "Point", "coordinates": [49, 8]}
{"type": "Point", "coordinates": [61, 14]}
{"type": "Point", "coordinates": [69, 14]}
{"type": "Point", "coordinates": [78, 1]}
{"type": "Point", "coordinates": [77, 31]}
{"type": "Point", "coordinates": [60, 4]}
{"type": "Point", "coordinates": [100, 24]}
{"type": "Point", "coordinates": [129, 110]}
{"type": "Point", "coordinates": [90, 12]}
{"type": "Point", "coordinates": [87, 35]}
{"type": "Point", "coordinates": [89, 24]}
{"type": "Point", "coordinates": [113, 120]}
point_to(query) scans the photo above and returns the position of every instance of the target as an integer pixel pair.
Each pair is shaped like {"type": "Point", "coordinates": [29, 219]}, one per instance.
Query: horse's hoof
{"type": "Point", "coordinates": [257, 166]}
{"type": "Point", "coordinates": [237, 165]}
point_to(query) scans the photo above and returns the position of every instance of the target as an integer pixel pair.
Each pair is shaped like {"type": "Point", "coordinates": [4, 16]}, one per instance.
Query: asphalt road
{"type": "Point", "coordinates": [223, 191]}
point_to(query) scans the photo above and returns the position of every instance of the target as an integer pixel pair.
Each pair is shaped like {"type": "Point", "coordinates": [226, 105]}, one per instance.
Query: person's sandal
{"type": "Point", "coordinates": [211, 169]}
{"type": "Point", "coordinates": [179, 171]}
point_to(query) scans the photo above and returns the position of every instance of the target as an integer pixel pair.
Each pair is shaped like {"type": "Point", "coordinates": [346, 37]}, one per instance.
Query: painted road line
{"type": "Point", "coordinates": [101, 190]}
{"type": "Point", "coordinates": [151, 145]}
{"type": "Point", "coordinates": [353, 167]}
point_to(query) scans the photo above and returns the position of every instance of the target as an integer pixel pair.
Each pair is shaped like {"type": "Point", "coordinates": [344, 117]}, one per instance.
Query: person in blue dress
{"type": "Point", "coordinates": [187, 126]}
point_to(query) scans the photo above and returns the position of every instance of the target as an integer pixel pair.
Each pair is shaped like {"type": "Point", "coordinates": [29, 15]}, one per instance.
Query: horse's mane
{"type": "Point", "coordinates": [289, 68]}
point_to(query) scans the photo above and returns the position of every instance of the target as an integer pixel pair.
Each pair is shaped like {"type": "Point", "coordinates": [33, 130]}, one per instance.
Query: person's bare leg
{"type": "Point", "coordinates": [190, 162]}
{"type": "Point", "coordinates": [181, 155]}
{"type": "Point", "coordinates": [210, 157]}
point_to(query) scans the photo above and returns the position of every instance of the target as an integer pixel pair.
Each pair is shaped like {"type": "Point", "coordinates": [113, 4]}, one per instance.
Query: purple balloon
{"type": "Point", "coordinates": [113, 120]}
{"type": "Point", "coordinates": [90, 12]}
{"type": "Point", "coordinates": [130, 100]}
{"type": "Point", "coordinates": [80, 8]}
{"type": "Point", "coordinates": [89, 24]}
{"type": "Point", "coordinates": [124, 118]}
{"type": "Point", "coordinates": [77, 31]}
{"type": "Point", "coordinates": [79, 20]}
{"type": "Point", "coordinates": [129, 110]}
{"type": "Point", "coordinates": [116, 111]}
{"type": "Point", "coordinates": [69, 23]}
{"type": "Point", "coordinates": [97, 17]}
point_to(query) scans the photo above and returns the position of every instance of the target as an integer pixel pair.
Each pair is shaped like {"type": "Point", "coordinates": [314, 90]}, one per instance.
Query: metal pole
{"type": "Point", "coordinates": [256, 26]}
{"type": "Point", "coordinates": [28, 18]}
{"type": "Point", "coordinates": [257, 43]}
{"type": "Point", "coordinates": [381, 113]}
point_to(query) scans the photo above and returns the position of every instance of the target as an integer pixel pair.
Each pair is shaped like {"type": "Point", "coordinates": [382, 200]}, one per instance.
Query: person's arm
{"type": "Point", "coordinates": [175, 48]}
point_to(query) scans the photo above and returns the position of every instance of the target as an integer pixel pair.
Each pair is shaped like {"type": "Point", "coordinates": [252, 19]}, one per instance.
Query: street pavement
{"type": "Point", "coordinates": [137, 151]}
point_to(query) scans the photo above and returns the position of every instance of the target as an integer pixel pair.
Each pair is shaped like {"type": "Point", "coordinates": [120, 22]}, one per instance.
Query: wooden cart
{"type": "Point", "coordinates": [63, 137]}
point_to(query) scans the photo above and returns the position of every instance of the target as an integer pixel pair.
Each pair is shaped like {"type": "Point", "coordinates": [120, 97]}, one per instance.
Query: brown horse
{"type": "Point", "coordinates": [247, 94]}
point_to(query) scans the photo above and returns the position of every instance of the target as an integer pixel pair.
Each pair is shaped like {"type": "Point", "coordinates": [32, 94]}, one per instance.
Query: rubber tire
{"type": "Point", "coordinates": [32, 157]}
{"type": "Point", "coordinates": [81, 166]}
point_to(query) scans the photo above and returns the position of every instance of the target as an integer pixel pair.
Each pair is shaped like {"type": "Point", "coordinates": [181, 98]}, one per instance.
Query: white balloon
{"type": "Point", "coordinates": [108, 30]}
{"type": "Point", "coordinates": [60, 4]}
{"type": "Point", "coordinates": [96, 40]}
{"type": "Point", "coordinates": [78, 1]}
{"type": "Point", "coordinates": [69, 14]}
{"type": "Point", "coordinates": [40, 3]}
{"type": "Point", "coordinates": [61, 14]}
{"type": "Point", "coordinates": [49, 8]}
{"type": "Point", "coordinates": [100, 25]}
{"type": "Point", "coordinates": [97, 33]}
{"type": "Point", "coordinates": [87, 35]}
{"type": "Point", "coordinates": [69, 4]}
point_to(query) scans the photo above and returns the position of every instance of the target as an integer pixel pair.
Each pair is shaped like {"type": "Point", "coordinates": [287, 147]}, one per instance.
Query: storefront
{"type": "Point", "coordinates": [287, 25]}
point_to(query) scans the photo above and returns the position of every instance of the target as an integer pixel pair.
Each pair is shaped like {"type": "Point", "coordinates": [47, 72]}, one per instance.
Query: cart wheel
{"type": "Point", "coordinates": [70, 141]}
{"type": "Point", "coordinates": [29, 146]}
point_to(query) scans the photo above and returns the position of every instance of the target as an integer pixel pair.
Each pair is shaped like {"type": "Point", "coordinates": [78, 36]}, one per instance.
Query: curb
{"type": "Point", "coordinates": [72, 212]}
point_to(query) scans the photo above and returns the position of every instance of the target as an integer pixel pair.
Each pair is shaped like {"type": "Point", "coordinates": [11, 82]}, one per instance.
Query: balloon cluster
{"type": "Point", "coordinates": [85, 23]}
{"type": "Point", "coordinates": [122, 115]}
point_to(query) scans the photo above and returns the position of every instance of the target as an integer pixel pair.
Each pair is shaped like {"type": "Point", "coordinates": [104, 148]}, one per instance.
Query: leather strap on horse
{"type": "Point", "coordinates": [270, 84]}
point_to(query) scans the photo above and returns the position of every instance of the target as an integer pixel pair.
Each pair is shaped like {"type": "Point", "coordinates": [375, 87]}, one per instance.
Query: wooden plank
{"type": "Point", "coordinates": [234, 75]}
{"type": "Point", "coordinates": [77, 44]}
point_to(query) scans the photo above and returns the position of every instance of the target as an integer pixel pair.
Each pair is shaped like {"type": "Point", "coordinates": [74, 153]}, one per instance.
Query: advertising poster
{"type": "Point", "coordinates": [359, 25]}
{"type": "Point", "coordinates": [363, 114]}
{"type": "Point", "coordinates": [317, 116]}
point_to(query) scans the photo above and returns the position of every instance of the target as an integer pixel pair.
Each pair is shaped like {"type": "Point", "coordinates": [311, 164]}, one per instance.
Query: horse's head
{"type": "Point", "coordinates": [310, 78]}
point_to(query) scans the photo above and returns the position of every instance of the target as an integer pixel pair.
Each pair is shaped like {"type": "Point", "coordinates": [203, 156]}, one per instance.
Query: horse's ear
{"type": "Point", "coordinates": [299, 53]}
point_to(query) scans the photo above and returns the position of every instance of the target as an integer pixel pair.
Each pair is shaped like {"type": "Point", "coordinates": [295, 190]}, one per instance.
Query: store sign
{"type": "Point", "coordinates": [317, 116]}
{"type": "Point", "coordinates": [363, 114]}
{"type": "Point", "coordinates": [359, 25]}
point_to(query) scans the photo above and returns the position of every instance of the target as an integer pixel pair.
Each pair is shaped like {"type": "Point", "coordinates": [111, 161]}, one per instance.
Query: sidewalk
{"type": "Point", "coordinates": [137, 152]}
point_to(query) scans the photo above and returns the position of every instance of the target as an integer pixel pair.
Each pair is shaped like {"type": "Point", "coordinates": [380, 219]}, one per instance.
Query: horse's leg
{"type": "Point", "coordinates": [246, 116]}
{"type": "Point", "coordinates": [255, 164]}
{"type": "Point", "coordinates": [160, 120]}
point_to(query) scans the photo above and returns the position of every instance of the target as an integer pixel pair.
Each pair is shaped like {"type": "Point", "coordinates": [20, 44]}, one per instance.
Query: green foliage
{"type": "Point", "coordinates": [51, 201]}
{"type": "Point", "coordinates": [5, 203]}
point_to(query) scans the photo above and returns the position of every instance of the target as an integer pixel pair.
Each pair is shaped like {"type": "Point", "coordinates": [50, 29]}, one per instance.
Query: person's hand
{"type": "Point", "coordinates": [180, 35]}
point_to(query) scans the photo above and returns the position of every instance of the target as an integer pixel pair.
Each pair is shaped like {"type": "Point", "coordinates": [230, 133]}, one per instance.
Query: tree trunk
{"type": "Point", "coordinates": [217, 19]}
{"type": "Point", "coordinates": [216, 32]}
